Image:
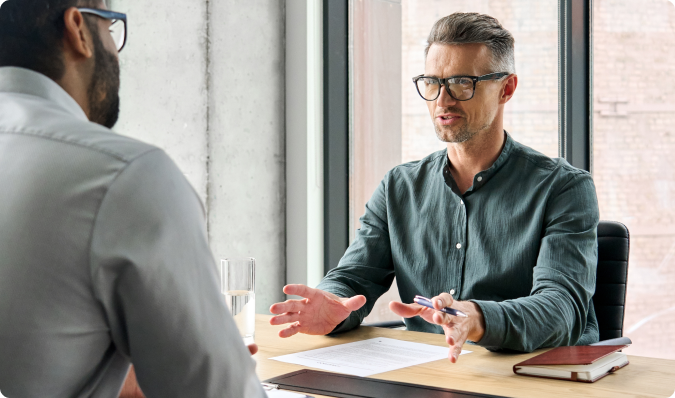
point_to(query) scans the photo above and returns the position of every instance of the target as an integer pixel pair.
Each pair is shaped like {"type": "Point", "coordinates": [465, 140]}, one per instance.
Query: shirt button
{"type": "Point", "coordinates": [480, 179]}
{"type": "Point", "coordinates": [459, 245]}
{"type": "Point", "coordinates": [452, 291]}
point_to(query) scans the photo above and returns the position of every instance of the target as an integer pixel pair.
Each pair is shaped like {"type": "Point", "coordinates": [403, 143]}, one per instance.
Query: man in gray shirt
{"type": "Point", "coordinates": [104, 256]}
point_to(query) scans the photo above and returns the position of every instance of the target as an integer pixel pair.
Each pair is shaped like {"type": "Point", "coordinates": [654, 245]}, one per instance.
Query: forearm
{"type": "Point", "coordinates": [549, 319]}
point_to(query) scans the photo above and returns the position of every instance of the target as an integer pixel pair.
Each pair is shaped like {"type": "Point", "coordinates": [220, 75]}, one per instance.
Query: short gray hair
{"type": "Point", "coordinates": [471, 27]}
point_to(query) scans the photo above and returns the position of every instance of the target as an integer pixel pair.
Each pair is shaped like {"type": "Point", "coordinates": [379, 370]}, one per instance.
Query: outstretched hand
{"type": "Point", "coordinates": [318, 313]}
{"type": "Point", "coordinates": [457, 330]}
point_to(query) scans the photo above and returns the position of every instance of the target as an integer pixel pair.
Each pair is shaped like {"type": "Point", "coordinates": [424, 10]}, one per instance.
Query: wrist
{"type": "Point", "coordinates": [476, 319]}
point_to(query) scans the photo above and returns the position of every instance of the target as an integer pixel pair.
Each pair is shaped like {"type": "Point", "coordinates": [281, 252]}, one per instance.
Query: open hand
{"type": "Point", "coordinates": [457, 329]}
{"type": "Point", "coordinates": [318, 313]}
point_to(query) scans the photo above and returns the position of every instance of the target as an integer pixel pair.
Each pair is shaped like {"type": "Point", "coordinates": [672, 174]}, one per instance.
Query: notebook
{"type": "Point", "coordinates": [576, 363]}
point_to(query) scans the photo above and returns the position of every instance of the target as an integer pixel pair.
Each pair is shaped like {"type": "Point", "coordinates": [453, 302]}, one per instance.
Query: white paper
{"type": "Point", "coordinates": [368, 357]}
{"type": "Point", "coordinates": [284, 394]}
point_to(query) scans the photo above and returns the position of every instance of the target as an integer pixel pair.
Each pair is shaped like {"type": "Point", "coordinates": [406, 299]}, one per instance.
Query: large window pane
{"type": "Point", "coordinates": [633, 164]}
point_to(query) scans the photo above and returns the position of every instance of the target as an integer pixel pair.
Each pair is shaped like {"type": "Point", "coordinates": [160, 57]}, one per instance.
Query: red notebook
{"type": "Point", "coordinates": [576, 363]}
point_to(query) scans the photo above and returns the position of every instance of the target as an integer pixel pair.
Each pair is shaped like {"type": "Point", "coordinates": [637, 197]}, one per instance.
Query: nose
{"type": "Point", "coordinates": [444, 99]}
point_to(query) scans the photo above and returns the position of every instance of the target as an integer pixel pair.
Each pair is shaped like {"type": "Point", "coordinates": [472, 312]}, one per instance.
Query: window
{"type": "Point", "coordinates": [633, 163]}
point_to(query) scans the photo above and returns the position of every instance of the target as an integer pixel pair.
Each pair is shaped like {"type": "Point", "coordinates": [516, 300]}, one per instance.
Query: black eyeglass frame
{"type": "Point", "coordinates": [444, 83]}
{"type": "Point", "coordinates": [109, 15]}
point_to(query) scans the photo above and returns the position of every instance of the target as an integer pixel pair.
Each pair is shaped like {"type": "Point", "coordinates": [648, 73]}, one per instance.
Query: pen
{"type": "Point", "coordinates": [427, 303]}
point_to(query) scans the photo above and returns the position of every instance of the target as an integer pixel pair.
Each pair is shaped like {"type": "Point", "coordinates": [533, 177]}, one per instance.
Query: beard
{"type": "Point", "coordinates": [103, 92]}
{"type": "Point", "coordinates": [463, 134]}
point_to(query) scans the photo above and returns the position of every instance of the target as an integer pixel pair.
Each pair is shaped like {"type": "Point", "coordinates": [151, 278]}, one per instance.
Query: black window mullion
{"type": "Point", "coordinates": [336, 130]}
{"type": "Point", "coordinates": [575, 82]}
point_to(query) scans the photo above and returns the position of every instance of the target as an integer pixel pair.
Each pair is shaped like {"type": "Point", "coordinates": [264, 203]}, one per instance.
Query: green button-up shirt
{"type": "Point", "coordinates": [521, 243]}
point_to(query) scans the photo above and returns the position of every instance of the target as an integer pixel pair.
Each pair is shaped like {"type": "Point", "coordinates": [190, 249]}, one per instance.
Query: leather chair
{"type": "Point", "coordinates": [609, 299]}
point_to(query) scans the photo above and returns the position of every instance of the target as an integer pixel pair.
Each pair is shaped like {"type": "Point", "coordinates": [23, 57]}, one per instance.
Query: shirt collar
{"type": "Point", "coordinates": [25, 81]}
{"type": "Point", "coordinates": [484, 176]}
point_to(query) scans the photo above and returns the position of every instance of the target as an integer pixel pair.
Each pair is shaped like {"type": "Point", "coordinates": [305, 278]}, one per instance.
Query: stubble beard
{"type": "Point", "coordinates": [447, 135]}
{"type": "Point", "coordinates": [464, 134]}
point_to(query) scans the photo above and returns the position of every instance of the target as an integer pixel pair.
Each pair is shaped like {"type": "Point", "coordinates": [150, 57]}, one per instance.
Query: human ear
{"type": "Point", "coordinates": [508, 88]}
{"type": "Point", "coordinates": [76, 36]}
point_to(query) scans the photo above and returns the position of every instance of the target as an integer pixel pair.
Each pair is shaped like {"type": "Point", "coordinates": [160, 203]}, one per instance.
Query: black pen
{"type": "Point", "coordinates": [427, 303]}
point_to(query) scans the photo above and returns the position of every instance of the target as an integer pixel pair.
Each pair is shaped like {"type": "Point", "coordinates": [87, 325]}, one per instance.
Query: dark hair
{"type": "Point", "coordinates": [471, 27]}
{"type": "Point", "coordinates": [31, 32]}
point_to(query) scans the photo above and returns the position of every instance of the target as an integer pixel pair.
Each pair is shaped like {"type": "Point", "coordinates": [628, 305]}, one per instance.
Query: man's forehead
{"type": "Point", "coordinates": [456, 59]}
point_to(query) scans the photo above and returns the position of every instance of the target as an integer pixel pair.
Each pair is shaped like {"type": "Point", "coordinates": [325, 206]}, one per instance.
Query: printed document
{"type": "Point", "coordinates": [368, 357]}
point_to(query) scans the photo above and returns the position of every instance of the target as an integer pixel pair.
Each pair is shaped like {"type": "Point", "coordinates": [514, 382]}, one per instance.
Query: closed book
{"type": "Point", "coordinates": [576, 363]}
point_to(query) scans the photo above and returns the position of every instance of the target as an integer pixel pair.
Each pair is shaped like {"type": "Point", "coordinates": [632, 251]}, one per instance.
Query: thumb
{"type": "Point", "coordinates": [354, 303]}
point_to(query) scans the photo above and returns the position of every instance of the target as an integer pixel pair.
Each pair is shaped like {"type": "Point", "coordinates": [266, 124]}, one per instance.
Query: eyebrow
{"type": "Point", "coordinates": [449, 77]}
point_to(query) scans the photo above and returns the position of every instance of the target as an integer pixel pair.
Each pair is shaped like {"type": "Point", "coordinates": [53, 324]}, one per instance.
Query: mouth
{"type": "Point", "coordinates": [448, 119]}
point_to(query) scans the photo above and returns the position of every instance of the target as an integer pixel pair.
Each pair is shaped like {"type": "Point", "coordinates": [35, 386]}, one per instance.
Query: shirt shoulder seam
{"type": "Point", "coordinates": [571, 169]}
{"type": "Point", "coordinates": [40, 134]}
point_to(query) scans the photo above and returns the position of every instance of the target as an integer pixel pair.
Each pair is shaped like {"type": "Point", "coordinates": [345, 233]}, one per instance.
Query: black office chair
{"type": "Point", "coordinates": [609, 299]}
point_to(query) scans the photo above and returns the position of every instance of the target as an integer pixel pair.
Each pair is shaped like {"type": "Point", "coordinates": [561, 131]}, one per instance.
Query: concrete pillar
{"type": "Point", "coordinates": [247, 126]}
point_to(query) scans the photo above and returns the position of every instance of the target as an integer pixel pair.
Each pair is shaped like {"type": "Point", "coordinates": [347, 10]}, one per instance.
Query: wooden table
{"type": "Point", "coordinates": [480, 371]}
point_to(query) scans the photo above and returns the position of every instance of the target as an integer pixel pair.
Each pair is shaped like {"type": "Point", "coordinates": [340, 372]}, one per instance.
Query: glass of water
{"type": "Point", "coordinates": [237, 283]}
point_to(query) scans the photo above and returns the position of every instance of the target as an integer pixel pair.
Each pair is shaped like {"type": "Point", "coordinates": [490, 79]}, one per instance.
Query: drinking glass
{"type": "Point", "coordinates": [237, 283]}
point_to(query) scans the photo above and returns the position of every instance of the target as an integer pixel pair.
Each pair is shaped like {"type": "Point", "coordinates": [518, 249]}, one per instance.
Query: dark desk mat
{"type": "Point", "coordinates": [346, 386]}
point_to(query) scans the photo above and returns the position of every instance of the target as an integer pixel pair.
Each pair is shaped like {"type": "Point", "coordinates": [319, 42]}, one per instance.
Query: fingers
{"type": "Point", "coordinates": [285, 318]}
{"type": "Point", "coordinates": [299, 290]}
{"type": "Point", "coordinates": [442, 300]}
{"type": "Point", "coordinates": [253, 348]}
{"type": "Point", "coordinates": [456, 350]}
{"type": "Point", "coordinates": [290, 331]}
{"type": "Point", "coordinates": [288, 306]}
{"type": "Point", "coordinates": [354, 303]}
{"type": "Point", "coordinates": [406, 310]}
{"type": "Point", "coordinates": [455, 336]}
{"type": "Point", "coordinates": [441, 318]}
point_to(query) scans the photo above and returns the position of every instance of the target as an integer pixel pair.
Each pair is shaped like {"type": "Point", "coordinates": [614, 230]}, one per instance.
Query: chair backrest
{"type": "Point", "coordinates": [609, 299]}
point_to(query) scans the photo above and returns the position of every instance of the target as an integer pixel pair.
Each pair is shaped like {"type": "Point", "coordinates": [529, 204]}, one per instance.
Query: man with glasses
{"type": "Point", "coordinates": [488, 226]}
{"type": "Point", "coordinates": [104, 256]}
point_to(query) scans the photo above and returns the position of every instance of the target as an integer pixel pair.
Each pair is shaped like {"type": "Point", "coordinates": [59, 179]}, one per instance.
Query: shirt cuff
{"type": "Point", "coordinates": [495, 324]}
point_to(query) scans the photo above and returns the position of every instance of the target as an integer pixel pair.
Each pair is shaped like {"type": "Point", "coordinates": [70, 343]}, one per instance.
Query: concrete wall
{"type": "Point", "coordinates": [247, 187]}
{"type": "Point", "coordinates": [205, 81]}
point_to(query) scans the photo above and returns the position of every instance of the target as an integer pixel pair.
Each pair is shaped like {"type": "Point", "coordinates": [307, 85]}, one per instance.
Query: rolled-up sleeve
{"type": "Point", "coordinates": [556, 311]}
{"type": "Point", "coordinates": [155, 277]}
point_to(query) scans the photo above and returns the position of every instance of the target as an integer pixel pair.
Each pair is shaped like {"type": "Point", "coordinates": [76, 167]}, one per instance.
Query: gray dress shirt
{"type": "Point", "coordinates": [521, 243]}
{"type": "Point", "coordinates": [104, 260]}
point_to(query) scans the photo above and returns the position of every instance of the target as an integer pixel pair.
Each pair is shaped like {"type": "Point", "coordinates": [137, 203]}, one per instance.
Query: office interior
{"type": "Point", "coordinates": [285, 115]}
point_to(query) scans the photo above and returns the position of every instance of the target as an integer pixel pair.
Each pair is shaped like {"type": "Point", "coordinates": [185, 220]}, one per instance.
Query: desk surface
{"type": "Point", "coordinates": [481, 371]}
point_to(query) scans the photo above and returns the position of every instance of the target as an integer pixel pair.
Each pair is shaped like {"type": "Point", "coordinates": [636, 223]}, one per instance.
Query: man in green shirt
{"type": "Point", "coordinates": [489, 226]}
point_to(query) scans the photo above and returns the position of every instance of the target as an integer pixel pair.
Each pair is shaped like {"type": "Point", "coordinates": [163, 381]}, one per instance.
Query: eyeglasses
{"type": "Point", "coordinates": [118, 28]}
{"type": "Point", "coordinates": [461, 88]}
